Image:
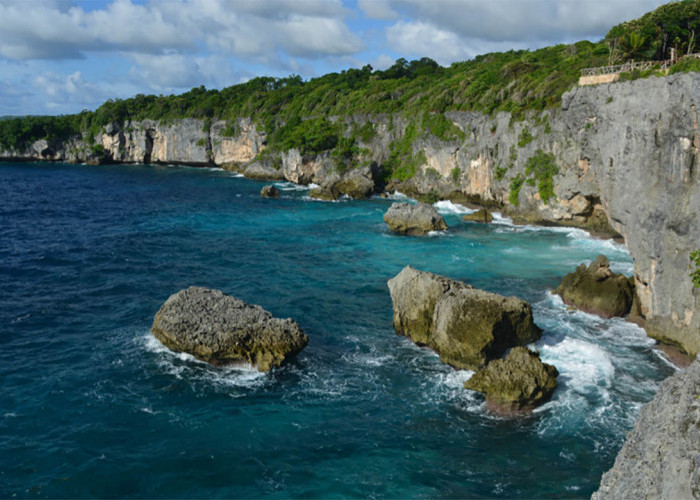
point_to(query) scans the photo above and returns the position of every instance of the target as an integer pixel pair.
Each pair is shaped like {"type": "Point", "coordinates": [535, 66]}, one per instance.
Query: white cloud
{"type": "Point", "coordinates": [524, 20]}
{"type": "Point", "coordinates": [419, 38]}
{"type": "Point", "coordinates": [63, 93]}
{"type": "Point", "coordinates": [377, 9]}
{"type": "Point", "coordinates": [247, 28]}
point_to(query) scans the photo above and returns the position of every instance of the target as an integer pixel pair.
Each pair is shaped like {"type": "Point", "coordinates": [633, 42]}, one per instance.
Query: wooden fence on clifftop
{"type": "Point", "coordinates": [609, 74]}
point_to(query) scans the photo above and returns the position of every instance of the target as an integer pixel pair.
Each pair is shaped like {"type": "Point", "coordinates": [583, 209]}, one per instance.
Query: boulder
{"type": "Point", "coordinates": [322, 193]}
{"type": "Point", "coordinates": [221, 330]}
{"type": "Point", "coordinates": [270, 191]}
{"type": "Point", "coordinates": [481, 215]}
{"type": "Point", "coordinates": [519, 382]}
{"type": "Point", "coordinates": [356, 183]}
{"type": "Point", "coordinates": [661, 455]}
{"type": "Point", "coordinates": [467, 327]}
{"type": "Point", "coordinates": [597, 289]}
{"type": "Point", "coordinates": [414, 219]}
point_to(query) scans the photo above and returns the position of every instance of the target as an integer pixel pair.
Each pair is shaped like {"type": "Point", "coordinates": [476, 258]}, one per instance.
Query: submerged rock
{"type": "Point", "coordinates": [465, 326]}
{"type": "Point", "coordinates": [661, 455]}
{"type": "Point", "coordinates": [270, 191]}
{"type": "Point", "coordinates": [414, 219]}
{"type": "Point", "coordinates": [597, 289]}
{"type": "Point", "coordinates": [220, 330]}
{"type": "Point", "coordinates": [518, 382]}
{"type": "Point", "coordinates": [481, 215]}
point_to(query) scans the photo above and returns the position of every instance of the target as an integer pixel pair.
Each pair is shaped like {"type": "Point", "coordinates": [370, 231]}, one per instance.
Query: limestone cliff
{"type": "Point", "coordinates": [618, 157]}
{"type": "Point", "coordinates": [661, 456]}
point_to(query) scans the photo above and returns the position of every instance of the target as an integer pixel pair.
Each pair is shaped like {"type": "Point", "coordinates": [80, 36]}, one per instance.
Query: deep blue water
{"type": "Point", "coordinates": [92, 406]}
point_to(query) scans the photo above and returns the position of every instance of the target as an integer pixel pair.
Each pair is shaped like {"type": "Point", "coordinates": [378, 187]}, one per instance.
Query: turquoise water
{"type": "Point", "coordinates": [92, 406]}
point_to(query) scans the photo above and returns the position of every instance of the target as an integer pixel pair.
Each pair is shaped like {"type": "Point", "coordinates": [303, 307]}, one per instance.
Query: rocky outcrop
{"type": "Point", "coordinates": [519, 382]}
{"type": "Point", "coordinates": [661, 456]}
{"type": "Point", "coordinates": [596, 289]}
{"type": "Point", "coordinates": [481, 215]}
{"type": "Point", "coordinates": [221, 330]}
{"type": "Point", "coordinates": [414, 219]}
{"type": "Point", "coordinates": [270, 191]}
{"type": "Point", "coordinates": [465, 326]}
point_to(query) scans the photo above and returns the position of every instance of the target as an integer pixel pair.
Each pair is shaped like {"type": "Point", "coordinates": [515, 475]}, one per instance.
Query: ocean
{"type": "Point", "coordinates": [93, 406]}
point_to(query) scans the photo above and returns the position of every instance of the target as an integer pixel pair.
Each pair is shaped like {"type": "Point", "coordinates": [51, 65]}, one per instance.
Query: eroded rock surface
{"type": "Point", "coordinates": [465, 326]}
{"type": "Point", "coordinates": [414, 219]}
{"type": "Point", "coordinates": [221, 329]}
{"type": "Point", "coordinates": [661, 456]}
{"type": "Point", "coordinates": [518, 382]}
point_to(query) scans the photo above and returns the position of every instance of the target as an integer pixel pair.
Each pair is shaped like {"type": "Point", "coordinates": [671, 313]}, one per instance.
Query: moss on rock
{"type": "Point", "coordinates": [519, 382]}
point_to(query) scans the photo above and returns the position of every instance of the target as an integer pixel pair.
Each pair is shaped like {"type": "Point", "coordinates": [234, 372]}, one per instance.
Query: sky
{"type": "Point", "coordinates": [63, 56]}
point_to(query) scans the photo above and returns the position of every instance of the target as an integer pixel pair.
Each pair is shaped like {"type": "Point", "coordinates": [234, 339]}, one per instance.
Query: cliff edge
{"type": "Point", "coordinates": [661, 456]}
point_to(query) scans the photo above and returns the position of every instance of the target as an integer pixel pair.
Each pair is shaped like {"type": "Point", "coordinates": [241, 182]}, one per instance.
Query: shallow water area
{"type": "Point", "coordinates": [94, 406]}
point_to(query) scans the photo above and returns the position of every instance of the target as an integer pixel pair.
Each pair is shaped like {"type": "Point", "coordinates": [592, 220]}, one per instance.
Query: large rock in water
{"type": "Point", "coordinates": [661, 456]}
{"type": "Point", "coordinates": [414, 219]}
{"type": "Point", "coordinates": [518, 382]}
{"type": "Point", "coordinates": [597, 290]}
{"type": "Point", "coordinates": [221, 330]}
{"type": "Point", "coordinates": [270, 191]}
{"type": "Point", "coordinates": [465, 326]}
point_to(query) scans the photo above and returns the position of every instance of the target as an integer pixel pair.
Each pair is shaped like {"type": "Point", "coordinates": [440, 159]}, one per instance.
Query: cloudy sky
{"type": "Point", "coordinates": [62, 56]}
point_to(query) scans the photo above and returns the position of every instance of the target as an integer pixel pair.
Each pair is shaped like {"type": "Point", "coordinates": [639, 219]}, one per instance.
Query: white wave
{"type": "Point", "coordinates": [290, 186]}
{"type": "Point", "coordinates": [447, 207]}
{"type": "Point", "coordinates": [585, 367]}
{"type": "Point", "coordinates": [236, 175]}
{"type": "Point", "coordinates": [499, 218]}
{"type": "Point", "coordinates": [398, 196]}
{"type": "Point", "coordinates": [182, 365]}
{"type": "Point", "coordinates": [435, 234]}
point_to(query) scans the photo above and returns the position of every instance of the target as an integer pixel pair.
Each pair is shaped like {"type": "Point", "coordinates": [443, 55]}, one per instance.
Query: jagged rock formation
{"type": "Point", "coordinates": [270, 191]}
{"type": "Point", "coordinates": [520, 381]}
{"type": "Point", "coordinates": [414, 220]}
{"type": "Point", "coordinates": [465, 326]}
{"type": "Point", "coordinates": [481, 215]}
{"type": "Point", "coordinates": [220, 330]}
{"type": "Point", "coordinates": [597, 289]}
{"type": "Point", "coordinates": [661, 456]}
{"type": "Point", "coordinates": [624, 160]}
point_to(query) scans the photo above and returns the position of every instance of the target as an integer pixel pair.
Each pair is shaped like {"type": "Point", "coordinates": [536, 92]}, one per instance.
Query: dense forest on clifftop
{"type": "Point", "coordinates": [294, 112]}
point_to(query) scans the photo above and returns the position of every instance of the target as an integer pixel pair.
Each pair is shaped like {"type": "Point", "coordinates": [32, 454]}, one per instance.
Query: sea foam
{"type": "Point", "coordinates": [446, 207]}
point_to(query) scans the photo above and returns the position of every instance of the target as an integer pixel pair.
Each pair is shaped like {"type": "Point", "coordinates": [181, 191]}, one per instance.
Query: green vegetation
{"type": "Point", "coordinates": [500, 172]}
{"type": "Point", "coordinates": [542, 169]}
{"type": "Point", "coordinates": [695, 273]}
{"type": "Point", "coordinates": [442, 128]}
{"type": "Point", "coordinates": [403, 163]}
{"type": "Point", "coordinates": [651, 37]}
{"type": "Point", "coordinates": [456, 174]}
{"type": "Point", "coordinates": [525, 138]}
{"type": "Point", "coordinates": [515, 184]}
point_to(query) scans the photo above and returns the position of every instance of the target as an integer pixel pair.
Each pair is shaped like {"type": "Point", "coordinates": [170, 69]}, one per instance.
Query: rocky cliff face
{"type": "Point", "coordinates": [661, 456]}
{"type": "Point", "coordinates": [618, 157]}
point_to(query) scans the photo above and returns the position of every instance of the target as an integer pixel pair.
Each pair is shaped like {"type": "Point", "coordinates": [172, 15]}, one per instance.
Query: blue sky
{"type": "Point", "coordinates": [62, 56]}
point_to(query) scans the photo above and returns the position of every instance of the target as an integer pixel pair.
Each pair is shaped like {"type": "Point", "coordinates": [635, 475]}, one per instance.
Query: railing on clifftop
{"type": "Point", "coordinates": [632, 65]}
